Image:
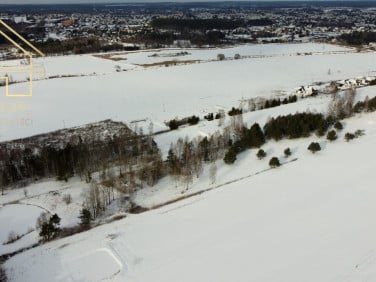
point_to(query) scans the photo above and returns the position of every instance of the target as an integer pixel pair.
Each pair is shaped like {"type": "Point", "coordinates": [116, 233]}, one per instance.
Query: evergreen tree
{"type": "Point", "coordinates": [255, 136]}
{"type": "Point", "coordinates": [50, 228]}
{"type": "Point", "coordinates": [287, 152]}
{"type": "Point", "coordinates": [230, 156]}
{"type": "Point", "coordinates": [85, 216]}
{"type": "Point", "coordinates": [314, 147]}
{"type": "Point", "coordinates": [173, 124]}
{"type": "Point", "coordinates": [349, 136]}
{"type": "Point", "coordinates": [261, 154]}
{"type": "Point", "coordinates": [274, 162]}
{"type": "Point", "coordinates": [338, 125]}
{"type": "Point", "coordinates": [332, 135]}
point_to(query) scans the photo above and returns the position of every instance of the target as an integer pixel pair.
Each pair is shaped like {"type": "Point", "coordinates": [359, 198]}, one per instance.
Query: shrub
{"type": "Point", "coordinates": [314, 147]}
{"type": "Point", "coordinates": [358, 133]}
{"type": "Point", "coordinates": [332, 135]}
{"type": "Point", "coordinates": [274, 162]}
{"type": "Point", "coordinates": [261, 154]}
{"type": "Point", "coordinates": [349, 136]}
{"type": "Point", "coordinates": [221, 57]}
{"type": "Point", "coordinates": [338, 125]}
{"type": "Point", "coordinates": [287, 152]}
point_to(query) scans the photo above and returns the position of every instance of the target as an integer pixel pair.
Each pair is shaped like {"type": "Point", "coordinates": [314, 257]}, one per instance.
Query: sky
{"type": "Point", "coordinates": [98, 1]}
{"type": "Point", "coordinates": [115, 1]}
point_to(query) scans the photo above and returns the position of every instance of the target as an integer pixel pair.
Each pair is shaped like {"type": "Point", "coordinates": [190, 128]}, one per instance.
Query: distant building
{"type": "Point", "coordinates": [68, 22]}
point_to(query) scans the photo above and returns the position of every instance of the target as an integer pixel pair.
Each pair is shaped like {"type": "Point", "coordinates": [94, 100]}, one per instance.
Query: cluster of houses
{"type": "Point", "coordinates": [300, 23]}
{"type": "Point", "coordinates": [334, 86]}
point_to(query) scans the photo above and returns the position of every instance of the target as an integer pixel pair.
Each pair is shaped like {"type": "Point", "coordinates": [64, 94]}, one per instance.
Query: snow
{"type": "Point", "coordinates": [20, 220]}
{"type": "Point", "coordinates": [160, 94]}
{"type": "Point", "coordinates": [209, 54]}
{"type": "Point", "coordinates": [309, 220]}
{"type": "Point", "coordinates": [45, 196]}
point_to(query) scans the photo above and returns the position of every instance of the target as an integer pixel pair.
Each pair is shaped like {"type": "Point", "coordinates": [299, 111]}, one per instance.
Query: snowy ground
{"type": "Point", "coordinates": [20, 208]}
{"type": "Point", "coordinates": [168, 189]}
{"type": "Point", "coordinates": [310, 220]}
{"type": "Point", "coordinates": [162, 93]}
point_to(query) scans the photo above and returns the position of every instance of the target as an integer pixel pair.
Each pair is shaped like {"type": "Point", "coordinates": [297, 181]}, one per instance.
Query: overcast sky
{"type": "Point", "coordinates": [114, 1]}
{"type": "Point", "coordinates": [98, 1]}
{"type": "Point", "coordinates": [60, 1]}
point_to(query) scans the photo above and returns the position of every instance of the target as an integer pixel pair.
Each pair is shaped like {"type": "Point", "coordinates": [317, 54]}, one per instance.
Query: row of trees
{"type": "Point", "coordinates": [296, 125]}
{"type": "Point", "coordinates": [253, 105]}
{"type": "Point", "coordinates": [358, 37]}
{"type": "Point", "coordinates": [80, 46]}
{"type": "Point", "coordinates": [368, 105]}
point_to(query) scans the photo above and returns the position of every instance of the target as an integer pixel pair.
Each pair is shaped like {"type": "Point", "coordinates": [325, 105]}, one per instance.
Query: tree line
{"type": "Point", "coordinates": [358, 38]}
{"type": "Point", "coordinates": [22, 165]}
{"type": "Point", "coordinates": [80, 46]}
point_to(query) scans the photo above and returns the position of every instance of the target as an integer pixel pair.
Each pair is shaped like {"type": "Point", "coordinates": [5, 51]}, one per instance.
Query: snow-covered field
{"type": "Point", "coordinates": [309, 220]}
{"type": "Point", "coordinates": [161, 93]}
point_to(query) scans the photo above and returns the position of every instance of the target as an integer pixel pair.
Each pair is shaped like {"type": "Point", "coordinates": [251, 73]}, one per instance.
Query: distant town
{"type": "Point", "coordinates": [99, 28]}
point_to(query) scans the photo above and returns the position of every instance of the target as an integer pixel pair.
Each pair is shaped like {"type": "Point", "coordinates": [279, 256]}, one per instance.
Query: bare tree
{"type": "Point", "coordinates": [222, 117]}
{"type": "Point", "coordinates": [2, 183]}
{"type": "Point", "coordinates": [92, 200]}
{"type": "Point", "coordinates": [187, 177]}
{"type": "Point", "coordinates": [213, 172]}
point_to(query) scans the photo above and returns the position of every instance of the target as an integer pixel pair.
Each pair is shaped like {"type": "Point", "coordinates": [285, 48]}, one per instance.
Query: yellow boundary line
{"type": "Point", "coordinates": [22, 68]}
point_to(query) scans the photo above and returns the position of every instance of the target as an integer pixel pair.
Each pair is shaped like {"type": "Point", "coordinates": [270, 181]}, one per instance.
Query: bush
{"type": "Point", "coordinates": [261, 154]}
{"type": "Point", "coordinates": [314, 147]}
{"type": "Point", "coordinates": [338, 125]}
{"type": "Point", "coordinates": [274, 162]}
{"type": "Point", "coordinates": [221, 57]}
{"type": "Point", "coordinates": [287, 152]}
{"type": "Point", "coordinates": [358, 133]}
{"type": "Point", "coordinates": [332, 135]}
{"type": "Point", "coordinates": [230, 156]}
{"type": "Point", "coordinates": [349, 136]}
